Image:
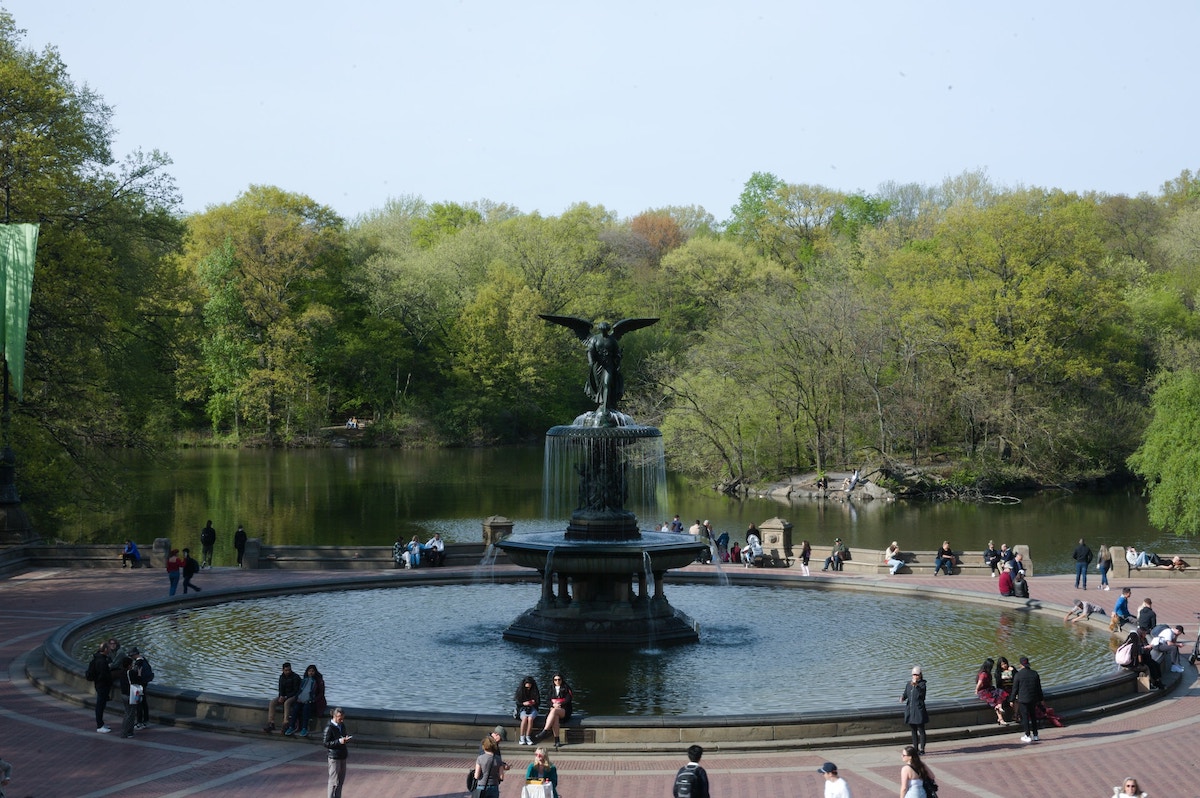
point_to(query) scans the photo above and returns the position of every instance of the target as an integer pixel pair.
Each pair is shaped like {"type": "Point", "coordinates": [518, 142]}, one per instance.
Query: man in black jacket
{"type": "Point", "coordinates": [289, 687]}
{"type": "Point", "coordinates": [208, 539]}
{"type": "Point", "coordinates": [1027, 694]}
{"type": "Point", "coordinates": [1083, 558]}
{"type": "Point", "coordinates": [141, 673]}
{"type": "Point", "coordinates": [99, 673]}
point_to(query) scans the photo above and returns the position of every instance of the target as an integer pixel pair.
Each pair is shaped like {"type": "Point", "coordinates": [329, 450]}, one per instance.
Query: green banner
{"type": "Point", "coordinates": [18, 246]}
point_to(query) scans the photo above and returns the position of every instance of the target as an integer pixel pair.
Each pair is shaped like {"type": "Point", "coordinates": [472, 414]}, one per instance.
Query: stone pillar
{"type": "Point", "coordinates": [495, 529]}
{"type": "Point", "coordinates": [776, 534]}
{"type": "Point", "coordinates": [159, 553]}
{"type": "Point", "coordinates": [252, 554]}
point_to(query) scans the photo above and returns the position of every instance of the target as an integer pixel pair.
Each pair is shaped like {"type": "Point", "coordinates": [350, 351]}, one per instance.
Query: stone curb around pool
{"type": "Point", "coordinates": [50, 669]}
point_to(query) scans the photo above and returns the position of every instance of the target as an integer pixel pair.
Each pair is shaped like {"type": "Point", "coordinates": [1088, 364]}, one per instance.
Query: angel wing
{"type": "Point", "coordinates": [629, 325]}
{"type": "Point", "coordinates": [581, 327]}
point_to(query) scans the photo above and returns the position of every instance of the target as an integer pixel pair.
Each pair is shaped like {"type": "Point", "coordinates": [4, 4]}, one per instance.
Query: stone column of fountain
{"type": "Point", "coordinates": [601, 556]}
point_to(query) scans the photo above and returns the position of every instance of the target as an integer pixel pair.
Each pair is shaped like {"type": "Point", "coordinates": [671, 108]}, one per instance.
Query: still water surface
{"type": "Point", "coordinates": [373, 496]}
{"type": "Point", "coordinates": [761, 649]}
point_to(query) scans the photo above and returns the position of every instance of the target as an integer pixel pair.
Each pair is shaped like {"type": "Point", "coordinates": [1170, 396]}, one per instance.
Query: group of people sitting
{"type": "Point", "coordinates": [302, 698]}
{"type": "Point", "coordinates": [413, 553]}
{"type": "Point", "coordinates": [995, 688]}
{"type": "Point", "coordinates": [528, 701]}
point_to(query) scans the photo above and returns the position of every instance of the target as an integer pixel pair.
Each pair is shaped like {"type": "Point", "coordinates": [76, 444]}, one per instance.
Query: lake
{"type": "Point", "coordinates": [374, 496]}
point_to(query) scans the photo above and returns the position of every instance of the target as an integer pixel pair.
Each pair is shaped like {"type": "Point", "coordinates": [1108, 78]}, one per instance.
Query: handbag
{"type": "Point", "coordinates": [471, 782]}
{"type": "Point", "coordinates": [1124, 655]}
{"type": "Point", "coordinates": [135, 693]}
{"type": "Point", "coordinates": [931, 787]}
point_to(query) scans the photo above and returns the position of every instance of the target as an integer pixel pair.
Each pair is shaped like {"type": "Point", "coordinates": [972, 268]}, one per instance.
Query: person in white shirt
{"type": "Point", "coordinates": [835, 785]}
{"type": "Point", "coordinates": [1165, 647]}
{"type": "Point", "coordinates": [436, 548]}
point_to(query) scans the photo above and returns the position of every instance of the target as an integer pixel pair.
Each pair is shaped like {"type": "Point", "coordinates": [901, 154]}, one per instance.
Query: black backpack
{"type": "Point", "coordinates": [686, 781]}
{"type": "Point", "coordinates": [190, 566]}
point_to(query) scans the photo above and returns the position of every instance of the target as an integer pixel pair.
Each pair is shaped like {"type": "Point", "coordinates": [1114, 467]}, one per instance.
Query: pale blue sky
{"type": "Point", "coordinates": [633, 105]}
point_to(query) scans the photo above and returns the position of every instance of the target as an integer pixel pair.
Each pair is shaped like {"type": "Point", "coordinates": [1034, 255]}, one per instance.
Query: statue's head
{"type": "Point", "coordinates": [604, 327]}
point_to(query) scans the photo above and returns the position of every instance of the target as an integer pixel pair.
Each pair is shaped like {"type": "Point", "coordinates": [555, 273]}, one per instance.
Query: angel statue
{"type": "Point", "coordinates": [605, 384]}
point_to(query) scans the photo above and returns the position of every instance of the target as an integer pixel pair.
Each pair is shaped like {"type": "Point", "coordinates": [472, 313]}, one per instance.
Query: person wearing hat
{"type": "Point", "coordinates": [835, 785]}
{"type": "Point", "coordinates": [837, 556]}
{"type": "Point", "coordinates": [497, 736]}
{"type": "Point", "coordinates": [915, 713]}
{"type": "Point", "coordinates": [1027, 694]}
{"type": "Point", "coordinates": [1005, 583]}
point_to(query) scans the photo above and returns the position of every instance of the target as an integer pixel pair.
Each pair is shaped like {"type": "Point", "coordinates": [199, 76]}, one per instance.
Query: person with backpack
{"type": "Point", "coordinates": [190, 569]}
{"type": "Point", "coordinates": [691, 781]}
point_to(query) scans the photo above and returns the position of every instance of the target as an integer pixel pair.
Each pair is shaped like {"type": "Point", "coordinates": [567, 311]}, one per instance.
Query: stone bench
{"type": "Point", "coordinates": [871, 561]}
{"type": "Point", "coordinates": [1151, 571]}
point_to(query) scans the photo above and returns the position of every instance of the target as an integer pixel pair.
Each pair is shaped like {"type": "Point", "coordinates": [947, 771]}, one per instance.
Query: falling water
{"type": "Point", "coordinates": [652, 637]}
{"type": "Point", "coordinates": [644, 468]}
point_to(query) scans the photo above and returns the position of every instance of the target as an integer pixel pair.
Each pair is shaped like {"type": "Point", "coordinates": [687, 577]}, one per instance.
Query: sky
{"type": "Point", "coordinates": [633, 105]}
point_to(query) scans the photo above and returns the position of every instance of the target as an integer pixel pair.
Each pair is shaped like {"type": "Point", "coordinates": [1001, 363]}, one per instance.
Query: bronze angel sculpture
{"type": "Point", "coordinates": [605, 385]}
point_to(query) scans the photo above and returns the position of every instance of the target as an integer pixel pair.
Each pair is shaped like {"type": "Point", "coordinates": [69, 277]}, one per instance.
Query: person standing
{"type": "Point", "coordinates": [99, 673]}
{"type": "Point", "coordinates": [208, 539]}
{"type": "Point", "coordinates": [805, 556]}
{"type": "Point", "coordinates": [835, 785]}
{"type": "Point", "coordinates": [1027, 694]}
{"type": "Point", "coordinates": [174, 566]}
{"type": "Point", "coordinates": [335, 747]}
{"type": "Point", "coordinates": [239, 544]}
{"type": "Point", "coordinates": [914, 774]}
{"type": "Point", "coordinates": [1104, 565]}
{"type": "Point", "coordinates": [124, 680]}
{"type": "Point", "coordinates": [141, 673]}
{"type": "Point", "coordinates": [489, 768]}
{"type": "Point", "coordinates": [915, 713]}
{"type": "Point", "coordinates": [691, 780]}
{"type": "Point", "coordinates": [5, 776]}
{"type": "Point", "coordinates": [190, 569]}
{"type": "Point", "coordinates": [1083, 558]}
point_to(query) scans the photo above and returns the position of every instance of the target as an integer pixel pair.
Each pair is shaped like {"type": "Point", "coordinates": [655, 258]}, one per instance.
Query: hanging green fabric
{"type": "Point", "coordinates": [18, 246]}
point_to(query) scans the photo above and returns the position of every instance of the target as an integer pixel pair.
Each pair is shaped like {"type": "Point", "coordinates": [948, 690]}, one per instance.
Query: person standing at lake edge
{"type": "Point", "coordinates": [1104, 565]}
{"type": "Point", "coordinates": [208, 539]}
{"type": "Point", "coordinates": [239, 544]}
{"type": "Point", "coordinates": [915, 713]}
{"type": "Point", "coordinates": [1083, 558]}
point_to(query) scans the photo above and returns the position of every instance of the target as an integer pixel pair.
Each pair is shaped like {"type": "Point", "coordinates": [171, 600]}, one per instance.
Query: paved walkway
{"type": "Point", "coordinates": [56, 752]}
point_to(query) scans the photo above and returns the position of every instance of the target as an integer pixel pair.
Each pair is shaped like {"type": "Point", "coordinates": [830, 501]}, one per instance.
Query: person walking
{"type": "Point", "coordinates": [915, 775]}
{"type": "Point", "coordinates": [174, 567]}
{"type": "Point", "coordinates": [915, 713]}
{"type": "Point", "coordinates": [239, 544]}
{"type": "Point", "coordinates": [691, 780]}
{"type": "Point", "coordinates": [1104, 565]}
{"type": "Point", "coordinates": [835, 785]}
{"type": "Point", "coordinates": [1083, 558]}
{"type": "Point", "coordinates": [1027, 694]}
{"type": "Point", "coordinates": [208, 539]}
{"type": "Point", "coordinates": [335, 748]}
{"type": "Point", "coordinates": [190, 569]}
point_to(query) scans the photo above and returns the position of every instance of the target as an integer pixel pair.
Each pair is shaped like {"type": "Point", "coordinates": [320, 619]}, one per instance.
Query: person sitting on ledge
{"type": "Point", "coordinates": [1020, 585]}
{"type": "Point", "coordinates": [893, 557]}
{"type": "Point", "coordinates": [130, 554]}
{"type": "Point", "coordinates": [437, 550]}
{"type": "Point", "coordinates": [991, 558]}
{"type": "Point", "coordinates": [836, 557]}
{"type": "Point", "coordinates": [945, 559]}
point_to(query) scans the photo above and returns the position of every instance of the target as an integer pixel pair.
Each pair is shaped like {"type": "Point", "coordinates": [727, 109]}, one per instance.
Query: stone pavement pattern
{"type": "Point", "coordinates": [56, 752]}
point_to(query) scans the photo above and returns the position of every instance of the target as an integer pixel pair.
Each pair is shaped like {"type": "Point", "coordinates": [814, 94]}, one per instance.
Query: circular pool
{"type": "Point", "coordinates": [787, 647]}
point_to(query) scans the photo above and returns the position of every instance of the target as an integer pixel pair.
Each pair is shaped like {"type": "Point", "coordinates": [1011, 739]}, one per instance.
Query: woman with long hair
{"type": "Point", "coordinates": [541, 769]}
{"type": "Point", "coordinates": [560, 708]}
{"type": "Point", "coordinates": [527, 698]}
{"type": "Point", "coordinates": [310, 702]}
{"type": "Point", "coordinates": [914, 774]}
{"type": "Point", "coordinates": [1003, 682]}
{"type": "Point", "coordinates": [488, 772]}
{"type": "Point", "coordinates": [1104, 565]}
{"type": "Point", "coordinates": [986, 691]}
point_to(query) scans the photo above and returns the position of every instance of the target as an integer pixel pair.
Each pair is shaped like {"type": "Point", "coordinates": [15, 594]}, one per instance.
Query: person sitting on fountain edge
{"type": "Point", "coordinates": [436, 547]}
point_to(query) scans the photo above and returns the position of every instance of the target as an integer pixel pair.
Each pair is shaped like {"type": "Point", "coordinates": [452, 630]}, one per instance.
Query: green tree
{"type": "Point", "coordinates": [265, 264]}
{"type": "Point", "coordinates": [1169, 457]}
{"type": "Point", "coordinates": [104, 317]}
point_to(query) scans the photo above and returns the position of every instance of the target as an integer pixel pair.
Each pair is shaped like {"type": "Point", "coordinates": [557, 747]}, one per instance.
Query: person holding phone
{"type": "Point", "coordinates": [335, 746]}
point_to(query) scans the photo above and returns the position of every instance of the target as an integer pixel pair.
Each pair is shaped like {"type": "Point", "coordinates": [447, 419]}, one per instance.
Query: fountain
{"type": "Point", "coordinates": [590, 570]}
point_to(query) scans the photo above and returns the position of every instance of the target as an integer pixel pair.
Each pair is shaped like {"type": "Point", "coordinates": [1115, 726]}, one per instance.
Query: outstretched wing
{"type": "Point", "coordinates": [581, 327]}
{"type": "Point", "coordinates": [629, 325]}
